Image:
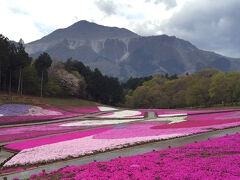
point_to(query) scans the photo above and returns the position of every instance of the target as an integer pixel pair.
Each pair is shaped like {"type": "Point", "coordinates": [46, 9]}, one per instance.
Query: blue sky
{"type": "Point", "coordinates": [209, 24]}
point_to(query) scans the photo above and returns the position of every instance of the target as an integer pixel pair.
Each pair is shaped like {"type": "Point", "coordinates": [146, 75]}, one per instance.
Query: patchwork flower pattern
{"type": "Point", "coordinates": [115, 136]}
{"type": "Point", "coordinates": [217, 158]}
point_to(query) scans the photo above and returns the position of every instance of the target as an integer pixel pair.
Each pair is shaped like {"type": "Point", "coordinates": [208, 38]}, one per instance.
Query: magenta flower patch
{"type": "Point", "coordinates": [187, 112]}
{"type": "Point", "coordinates": [24, 132]}
{"type": "Point", "coordinates": [53, 139]}
{"type": "Point", "coordinates": [82, 143]}
{"type": "Point", "coordinates": [218, 158]}
{"type": "Point", "coordinates": [216, 116]}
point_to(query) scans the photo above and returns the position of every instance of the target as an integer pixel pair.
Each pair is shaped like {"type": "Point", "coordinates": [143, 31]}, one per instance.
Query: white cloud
{"type": "Point", "coordinates": [31, 20]}
{"type": "Point", "coordinates": [17, 25]}
{"type": "Point", "coordinates": [209, 24]}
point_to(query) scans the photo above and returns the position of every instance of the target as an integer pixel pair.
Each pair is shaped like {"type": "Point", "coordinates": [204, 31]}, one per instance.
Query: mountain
{"type": "Point", "coordinates": [121, 53]}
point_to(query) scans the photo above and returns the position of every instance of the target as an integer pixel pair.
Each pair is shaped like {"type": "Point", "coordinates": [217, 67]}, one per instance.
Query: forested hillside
{"type": "Point", "coordinates": [48, 76]}
{"type": "Point", "coordinates": [205, 88]}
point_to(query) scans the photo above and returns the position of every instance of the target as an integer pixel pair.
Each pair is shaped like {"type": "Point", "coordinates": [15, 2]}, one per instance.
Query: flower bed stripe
{"type": "Point", "coordinates": [109, 139]}
{"type": "Point", "coordinates": [217, 116]}
{"type": "Point", "coordinates": [98, 122]}
{"type": "Point", "coordinates": [25, 132]}
{"type": "Point", "coordinates": [53, 139]}
{"type": "Point", "coordinates": [190, 124]}
{"type": "Point", "coordinates": [62, 146]}
{"type": "Point", "coordinates": [20, 136]}
{"type": "Point", "coordinates": [217, 158]}
{"type": "Point", "coordinates": [26, 119]}
{"type": "Point", "coordinates": [123, 114]}
{"type": "Point", "coordinates": [189, 112]}
{"type": "Point", "coordinates": [73, 148]}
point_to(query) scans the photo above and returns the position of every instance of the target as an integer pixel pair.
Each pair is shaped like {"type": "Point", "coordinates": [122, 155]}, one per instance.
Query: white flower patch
{"type": "Point", "coordinates": [171, 115]}
{"type": "Point", "coordinates": [123, 114]}
{"type": "Point", "coordinates": [76, 148]}
{"type": "Point", "coordinates": [176, 119]}
{"type": "Point", "coordinates": [38, 111]}
{"type": "Point", "coordinates": [1, 114]}
{"type": "Point", "coordinates": [98, 122]}
{"type": "Point", "coordinates": [104, 108]}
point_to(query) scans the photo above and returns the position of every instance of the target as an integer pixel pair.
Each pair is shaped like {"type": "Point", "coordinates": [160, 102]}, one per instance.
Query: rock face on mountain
{"type": "Point", "coordinates": [121, 53]}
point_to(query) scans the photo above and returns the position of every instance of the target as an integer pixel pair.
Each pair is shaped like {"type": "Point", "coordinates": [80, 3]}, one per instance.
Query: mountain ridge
{"type": "Point", "coordinates": [121, 53]}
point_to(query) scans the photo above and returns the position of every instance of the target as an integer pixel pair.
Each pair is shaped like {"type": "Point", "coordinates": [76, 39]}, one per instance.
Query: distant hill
{"type": "Point", "coordinates": [121, 53]}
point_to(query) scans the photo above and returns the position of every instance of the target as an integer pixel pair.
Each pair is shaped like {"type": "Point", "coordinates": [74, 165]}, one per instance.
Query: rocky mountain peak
{"type": "Point", "coordinates": [121, 53]}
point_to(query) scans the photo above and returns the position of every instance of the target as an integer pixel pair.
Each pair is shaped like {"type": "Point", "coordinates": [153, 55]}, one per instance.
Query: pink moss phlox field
{"type": "Point", "coordinates": [13, 137]}
{"type": "Point", "coordinates": [217, 158]}
{"type": "Point", "coordinates": [117, 137]}
{"type": "Point", "coordinates": [9, 120]}
{"type": "Point", "coordinates": [162, 127]}
{"type": "Point", "coordinates": [24, 132]}
{"type": "Point", "coordinates": [202, 123]}
{"type": "Point", "coordinates": [75, 148]}
{"type": "Point", "coordinates": [169, 111]}
{"type": "Point", "coordinates": [10, 170]}
{"type": "Point", "coordinates": [59, 147]}
{"type": "Point", "coordinates": [216, 116]}
{"type": "Point", "coordinates": [2, 172]}
{"type": "Point", "coordinates": [140, 130]}
{"type": "Point", "coordinates": [53, 139]}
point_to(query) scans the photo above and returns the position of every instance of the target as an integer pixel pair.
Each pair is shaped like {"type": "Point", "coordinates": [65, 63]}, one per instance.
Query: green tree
{"type": "Point", "coordinates": [12, 64]}
{"type": "Point", "coordinates": [31, 80]}
{"type": "Point", "coordinates": [176, 90]}
{"type": "Point", "coordinates": [218, 90]}
{"type": "Point", "coordinates": [207, 72]}
{"type": "Point", "coordinates": [133, 83]}
{"type": "Point", "coordinates": [22, 60]}
{"type": "Point", "coordinates": [197, 93]}
{"type": "Point", "coordinates": [233, 86]}
{"type": "Point", "coordinates": [42, 63]}
{"type": "Point", "coordinates": [52, 88]}
{"type": "Point", "coordinates": [139, 98]}
{"type": "Point", "coordinates": [4, 56]}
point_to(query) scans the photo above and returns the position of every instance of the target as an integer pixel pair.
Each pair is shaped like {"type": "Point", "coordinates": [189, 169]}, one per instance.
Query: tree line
{"type": "Point", "coordinates": [18, 72]}
{"type": "Point", "coordinates": [207, 87]}
{"type": "Point", "coordinates": [47, 76]}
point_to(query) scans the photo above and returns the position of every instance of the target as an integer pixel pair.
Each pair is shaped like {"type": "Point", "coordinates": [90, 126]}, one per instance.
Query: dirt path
{"type": "Point", "coordinates": [131, 151]}
{"type": "Point", "coordinates": [4, 155]}
{"type": "Point", "coordinates": [151, 115]}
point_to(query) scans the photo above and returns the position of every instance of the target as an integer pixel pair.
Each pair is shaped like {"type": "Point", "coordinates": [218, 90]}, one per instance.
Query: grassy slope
{"type": "Point", "coordinates": [6, 99]}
